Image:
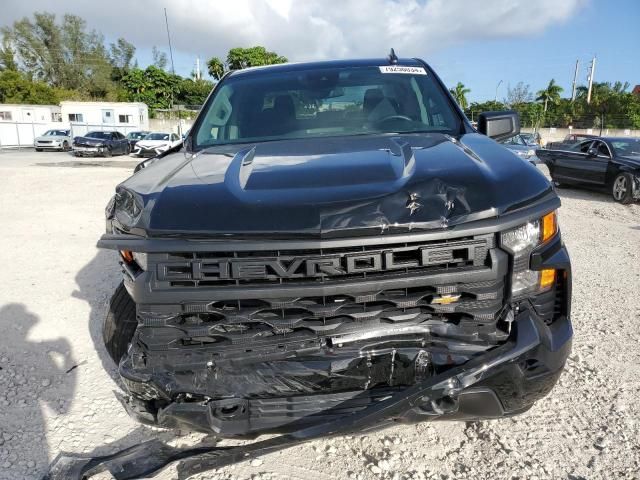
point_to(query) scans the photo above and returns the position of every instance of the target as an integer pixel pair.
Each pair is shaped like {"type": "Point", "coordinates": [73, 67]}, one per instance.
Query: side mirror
{"type": "Point", "coordinates": [592, 152]}
{"type": "Point", "coordinates": [499, 125]}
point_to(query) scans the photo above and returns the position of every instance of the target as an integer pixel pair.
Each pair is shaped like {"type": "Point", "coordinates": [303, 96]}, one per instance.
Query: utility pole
{"type": "Point", "coordinates": [590, 78]}
{"type": "Point", "coordinates": [198, 68]}
{"type": "Point", "coordinates": [575, 76]}
{"type": "Point", "coordinates": [173, 70]}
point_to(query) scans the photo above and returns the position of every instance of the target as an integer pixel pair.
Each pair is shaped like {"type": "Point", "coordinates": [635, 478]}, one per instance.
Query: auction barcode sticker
{"type": "Point", "coordinates": [400, 69]}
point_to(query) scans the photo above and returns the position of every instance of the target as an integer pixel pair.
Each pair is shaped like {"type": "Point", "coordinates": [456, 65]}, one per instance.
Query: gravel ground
{"type": "Point", "coordinates": [56, 381]}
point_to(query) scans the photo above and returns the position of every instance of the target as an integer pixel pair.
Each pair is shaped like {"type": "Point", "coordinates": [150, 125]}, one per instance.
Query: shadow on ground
{"type": "Point", "coordinates": [33, 375]}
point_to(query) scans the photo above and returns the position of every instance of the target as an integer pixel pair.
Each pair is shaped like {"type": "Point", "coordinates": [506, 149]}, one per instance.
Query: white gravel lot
{"type": "Point", "coordinates": [55, 394]}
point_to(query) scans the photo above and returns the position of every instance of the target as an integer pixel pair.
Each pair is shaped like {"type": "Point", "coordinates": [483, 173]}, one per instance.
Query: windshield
{"type": "Point", "coordinates": [157, 136]}
{"type": "Point", "coordinates": [324, 102]}
{"type": "Point", "coordinates": [626, 147]}
{"type": "Point", "coordinates": [106, 135]}
{"type": "Point", "coordinates": [56, 133]}
{"type": "Point", "coordinates": [136, 135]}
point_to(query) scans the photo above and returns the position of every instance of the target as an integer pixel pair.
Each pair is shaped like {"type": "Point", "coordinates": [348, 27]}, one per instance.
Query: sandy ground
{"type": "Point", "coordinates": [56, 381]}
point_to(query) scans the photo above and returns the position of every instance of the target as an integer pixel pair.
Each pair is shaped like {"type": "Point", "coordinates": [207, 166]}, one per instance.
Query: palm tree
{"type": "Point", "coordinates": [460, 94]}
{"type": "Point", "coordinates": [551, 94]}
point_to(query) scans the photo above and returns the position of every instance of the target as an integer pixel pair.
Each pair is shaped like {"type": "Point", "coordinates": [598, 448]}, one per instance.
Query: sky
{"type": "Point", "coordinates": [488, 45]}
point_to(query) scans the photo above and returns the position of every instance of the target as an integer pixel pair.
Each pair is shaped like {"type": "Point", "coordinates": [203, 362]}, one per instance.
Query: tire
{"type": "Point", "coordinates": [38, 149]}
{"type": "Point", "coordinates": [107, 152]}
{"type": "Point", "coordinates": [622, 188]}
{"type": "Point", "coordinates": [120, 324]}
{"type": "Point", "coordinates": [65, 146]}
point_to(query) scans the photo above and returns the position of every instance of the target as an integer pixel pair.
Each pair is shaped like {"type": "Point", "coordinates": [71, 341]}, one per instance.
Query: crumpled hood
{"type": "Point", "coordinates": [90, 141]}
{"type": "Point", "coordinates": [326, 186]}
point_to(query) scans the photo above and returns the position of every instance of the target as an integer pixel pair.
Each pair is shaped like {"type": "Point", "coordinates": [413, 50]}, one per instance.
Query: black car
{"type": "Point", "coordinates": [571, 140]}
{"type": "Point", "coordinates": [611, 163]}
{"type": "Point", "coordinates": [133, 138]}
{"type": "Point", "coordinates": [334, 246]}
{"type": "Point", "coordinates": [101, 143]}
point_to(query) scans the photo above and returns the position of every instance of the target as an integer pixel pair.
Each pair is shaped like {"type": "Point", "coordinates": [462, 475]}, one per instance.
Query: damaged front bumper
{"type": "Point", "coordinates": [528, 365]}
{"type": "Point", "coordinates": [504, 381]}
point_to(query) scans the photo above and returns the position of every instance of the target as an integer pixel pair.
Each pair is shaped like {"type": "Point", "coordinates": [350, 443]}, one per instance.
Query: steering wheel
{"type": "Point", "coordinates": [390, 118]}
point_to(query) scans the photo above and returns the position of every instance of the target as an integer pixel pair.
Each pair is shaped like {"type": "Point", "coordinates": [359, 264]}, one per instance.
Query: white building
{"type": "Point", "coordinates": [20, 124]}
{"type": "Point", "coordinates": [10, 112]}
{"type": "Point", "coordinates": [121, 116]}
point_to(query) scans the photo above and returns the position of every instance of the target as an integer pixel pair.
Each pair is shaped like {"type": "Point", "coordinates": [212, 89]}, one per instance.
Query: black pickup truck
{"type": "Point", "coordinates": [335, 247]}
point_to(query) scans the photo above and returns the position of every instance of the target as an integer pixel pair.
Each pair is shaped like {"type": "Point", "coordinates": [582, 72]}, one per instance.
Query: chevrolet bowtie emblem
{"type": "Point", "coordinates": [445, 299]}
{"type": "Point", "coordinates": [413, 204]}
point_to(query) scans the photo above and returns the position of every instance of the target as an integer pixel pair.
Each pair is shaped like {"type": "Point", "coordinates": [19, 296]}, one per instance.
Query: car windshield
{"type": "Point", "coordinates": [106, 135]}
{"type": "Point", "coordinates": [515, 140]}
{"type": "Point", "coordinates": [55, 133]}
{"type": "Point", "coordinates": [626, 147]}
{"type": "Point", "coordinates": [157, 136]}
{"type": "Point", "coordinates": [136, 135]}
{"type": "Point", "coordinates": [324, 102]}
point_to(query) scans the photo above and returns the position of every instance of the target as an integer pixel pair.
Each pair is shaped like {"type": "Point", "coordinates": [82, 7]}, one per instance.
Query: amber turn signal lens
{"type": "Point", "coordinates": [549, 226]}
{"type": "Point", "coordinates": [127, 255]}
{"type": "Point", "coordinates": [547, 278]}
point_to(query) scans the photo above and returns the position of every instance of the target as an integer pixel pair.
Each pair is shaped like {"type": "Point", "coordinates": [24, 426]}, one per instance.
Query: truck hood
{"type": "Point", "coordinates": [332, 186]}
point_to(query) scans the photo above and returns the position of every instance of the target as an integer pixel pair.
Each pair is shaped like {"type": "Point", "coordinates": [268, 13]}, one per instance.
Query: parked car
{"type": "Point", "coordinates": [570, 140]}
{"type": "Point", "coordinates": [518, 145]}
{"type": "Point", "coordinates": [335, 247]}
{"type": "Point", "coordinates": [133, 138]}
{"type": "Point", "coordinates": [155, 143]}
{"type": "Point", "coordinates": [53, 140]}
{"type": "Point", "coordinates": [101, 143]}
{"type": "Point", "coordinates": [611, 163]}
{"type": "Point", "coordinates": [532, 139]}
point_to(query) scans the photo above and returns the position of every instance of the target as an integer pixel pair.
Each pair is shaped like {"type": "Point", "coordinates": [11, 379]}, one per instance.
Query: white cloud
{"type": "Point", "coordinates": [310, 29]}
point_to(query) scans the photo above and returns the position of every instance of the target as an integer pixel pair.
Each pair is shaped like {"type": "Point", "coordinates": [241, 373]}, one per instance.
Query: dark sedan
{"type": "Point", "coordinates": [133, 138]}
{"type": "Point", "coordinates": [606, 162]}
{"type": "Point", "coordinates": [101, 143]}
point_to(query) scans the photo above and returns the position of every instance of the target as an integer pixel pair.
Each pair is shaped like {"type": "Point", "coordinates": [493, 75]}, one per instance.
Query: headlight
{"type": "Point", "coordinates": [128, 207]}
{"type": "Point", "coordinates": [520, 242]}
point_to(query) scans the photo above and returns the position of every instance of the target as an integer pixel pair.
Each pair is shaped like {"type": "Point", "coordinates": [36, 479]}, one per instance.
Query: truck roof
{"type": "Point", "coordinates": [294, 67]}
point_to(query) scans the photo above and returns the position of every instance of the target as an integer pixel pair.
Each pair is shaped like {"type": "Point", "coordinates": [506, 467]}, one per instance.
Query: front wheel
{"type": "Point", "coordinates": [65, 146]}
{"type": "Point", "coordinates": [107, 152]}
{"type": "Point", "coordinates": [622, 188]}
{"type": "Point", "coordinates": [120, 324]}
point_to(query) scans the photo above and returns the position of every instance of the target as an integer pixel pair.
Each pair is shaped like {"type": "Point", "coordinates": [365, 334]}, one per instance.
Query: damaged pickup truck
{"type": "Point", "coordinates": [333, 239]}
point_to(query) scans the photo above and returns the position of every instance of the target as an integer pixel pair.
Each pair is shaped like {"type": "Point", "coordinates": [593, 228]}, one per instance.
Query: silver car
{"type": "Point", "coordinates": [520, 145]}
{"type": "Point", "coordinates": [53, 140]}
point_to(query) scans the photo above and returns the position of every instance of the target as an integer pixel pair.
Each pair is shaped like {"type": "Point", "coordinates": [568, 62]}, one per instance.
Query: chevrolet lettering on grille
{"type": "Point", "coordinates": [316, 266]}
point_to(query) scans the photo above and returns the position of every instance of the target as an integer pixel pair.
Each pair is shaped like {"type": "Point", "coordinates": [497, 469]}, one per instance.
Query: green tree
{"type": "Point", "coordinates": [216, 68]}
{"type": "Point", "coordinates": [159, 58]}
{"type": "Point", "coordinates": [152, 86]}
{"type": "Point", "coordinates": [239, 58]}
{"type": "Point", "coordinates": [193, 92]}
{"type": "Point", "coordinates": [7, 55]}
{"type": "Point", "coordinates": [121, 54]}
{"type": "Point", "coordinates": [551, 94]}
{"type": "Point", "coordinates": [460, 92]}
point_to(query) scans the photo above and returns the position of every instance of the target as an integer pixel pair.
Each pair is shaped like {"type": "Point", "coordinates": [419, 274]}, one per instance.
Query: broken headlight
{"type": "Point", "coordinates": [128, 207]}
{"type": "Point", "coordinates": [520, 242]}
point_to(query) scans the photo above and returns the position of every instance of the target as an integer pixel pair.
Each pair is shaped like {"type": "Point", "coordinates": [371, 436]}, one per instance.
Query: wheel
{"type": "Point", "coordinates": [38, 149]}
{"type": "Point", "coordinates": [107, 152]}
{"type": "Point", "coordinates": [127, 150]}
{"type": "Point", "coordinates": [65, 146]}
{"type": "Point", "coordinates": [119, 324]}
{"type": "Point", "coordinates": [621, 189]}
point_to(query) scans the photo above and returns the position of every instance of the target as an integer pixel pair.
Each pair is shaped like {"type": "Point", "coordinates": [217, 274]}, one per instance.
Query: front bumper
{"type": "Point", "coordinates": [148, 152]}
{"type": "Point", "coordinates": [88, 151]}
{"type": "Point", "coordinates": [505, 381]}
